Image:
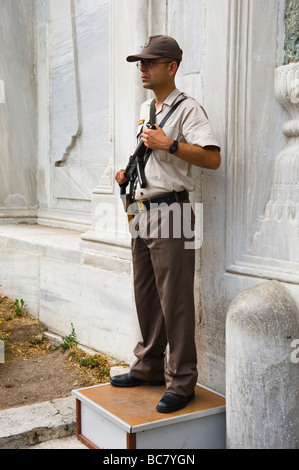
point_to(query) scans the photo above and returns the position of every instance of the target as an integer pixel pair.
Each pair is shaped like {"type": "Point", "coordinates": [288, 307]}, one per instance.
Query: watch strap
{"type": "Point", "coordinates": [173, 148]}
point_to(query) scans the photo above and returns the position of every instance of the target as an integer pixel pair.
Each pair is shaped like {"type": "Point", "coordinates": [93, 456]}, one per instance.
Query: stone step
{"type": "Point", "coordinates": [34, 425]}
{"type": "Point", "coordinates": [70, 442]}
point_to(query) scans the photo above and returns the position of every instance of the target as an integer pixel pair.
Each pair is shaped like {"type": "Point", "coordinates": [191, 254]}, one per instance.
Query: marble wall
{"type": "Point", "coordinates": [18, 124]}
{"type": "Point", "coordinates": [74, 110]}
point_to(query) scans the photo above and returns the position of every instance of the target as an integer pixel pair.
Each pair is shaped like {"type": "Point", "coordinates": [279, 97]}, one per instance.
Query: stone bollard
{"type": "Point", "coordinates": [261, 377]}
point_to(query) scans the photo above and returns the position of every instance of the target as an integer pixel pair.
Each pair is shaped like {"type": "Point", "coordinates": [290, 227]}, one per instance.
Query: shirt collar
{"type": "Point", "coordinates": [172, 97]}
{"type": "Point", "coordinates": [169, 101]}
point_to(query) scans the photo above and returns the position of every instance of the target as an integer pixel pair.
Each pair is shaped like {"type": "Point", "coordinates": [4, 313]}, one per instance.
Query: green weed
{"type": "Point", "coordinates": [20, 307]}
{"type": "Point", "coordinates": [69, 341]}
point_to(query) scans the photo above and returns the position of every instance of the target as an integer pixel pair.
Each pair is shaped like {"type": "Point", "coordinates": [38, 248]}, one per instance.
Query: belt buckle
{"type": "Point", "coordinates": [141, 206]}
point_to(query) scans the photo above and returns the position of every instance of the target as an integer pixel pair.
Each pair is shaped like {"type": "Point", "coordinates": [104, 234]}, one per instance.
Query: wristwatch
{"type": "Point", "coordinates": [173, 148]}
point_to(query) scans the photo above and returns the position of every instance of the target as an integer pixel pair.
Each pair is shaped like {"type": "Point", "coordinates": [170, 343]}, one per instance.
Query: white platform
{"type": "Point", "coordinates": [126, 418]}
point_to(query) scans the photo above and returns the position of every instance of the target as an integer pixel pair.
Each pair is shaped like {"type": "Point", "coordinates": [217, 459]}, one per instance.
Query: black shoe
{"type": "Point", "coordinates": [172, 402]}
{"type": "Point", "coordinates": [127, 380]}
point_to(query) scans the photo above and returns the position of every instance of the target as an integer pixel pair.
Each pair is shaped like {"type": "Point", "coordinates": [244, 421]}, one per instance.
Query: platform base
{"type": "Point", "coordinates": [126, 418]}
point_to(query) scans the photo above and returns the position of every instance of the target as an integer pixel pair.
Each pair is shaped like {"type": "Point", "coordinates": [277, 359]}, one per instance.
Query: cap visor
{"type": "Point", "coordinates": [135, 58]}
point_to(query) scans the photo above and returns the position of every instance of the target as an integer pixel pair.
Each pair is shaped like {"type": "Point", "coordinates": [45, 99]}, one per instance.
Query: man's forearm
{"type": "Point", "coordinates": [205, 157]}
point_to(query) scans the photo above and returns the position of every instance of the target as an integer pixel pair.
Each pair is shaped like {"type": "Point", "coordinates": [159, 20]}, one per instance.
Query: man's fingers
{"type": "Point", "coordinates": [120, 177]}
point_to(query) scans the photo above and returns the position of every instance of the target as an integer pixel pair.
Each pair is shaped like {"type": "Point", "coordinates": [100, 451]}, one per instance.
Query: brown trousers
{"type": "Point", "coordinates": [163, 284]}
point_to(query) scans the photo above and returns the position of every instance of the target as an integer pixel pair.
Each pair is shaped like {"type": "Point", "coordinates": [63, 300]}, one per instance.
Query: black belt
{"type": "Point", "coordinates": [168, 198]}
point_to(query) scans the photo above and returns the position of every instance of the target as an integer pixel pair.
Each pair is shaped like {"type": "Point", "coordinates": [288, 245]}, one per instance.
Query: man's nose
{"type": "Point", "coordinates": [143, 67]}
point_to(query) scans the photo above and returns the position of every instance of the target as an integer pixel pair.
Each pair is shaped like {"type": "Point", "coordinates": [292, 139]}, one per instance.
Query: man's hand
{"type": "Point", "coordinates": [120, 177]}
{"type": "Point", "coordinates": [156, 139]}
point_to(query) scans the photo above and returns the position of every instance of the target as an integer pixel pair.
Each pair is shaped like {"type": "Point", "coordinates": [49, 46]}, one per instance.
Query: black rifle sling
{"type": "Point", "coordinates": [170, 112]}
{"type": "Point", "coordinates": [153, 112]}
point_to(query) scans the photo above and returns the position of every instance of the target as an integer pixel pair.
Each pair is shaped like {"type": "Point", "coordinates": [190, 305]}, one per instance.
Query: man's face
{"type": "Point", "coordinates": [155, 73]}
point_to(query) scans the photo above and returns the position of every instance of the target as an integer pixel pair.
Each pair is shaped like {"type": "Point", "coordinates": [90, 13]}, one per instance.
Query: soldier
{"type": "Point", "coordinates": [163, 266]}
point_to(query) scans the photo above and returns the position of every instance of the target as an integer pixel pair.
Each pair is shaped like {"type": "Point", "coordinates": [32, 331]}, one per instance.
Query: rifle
{"type": "Point", "coordinates": [134, 169]}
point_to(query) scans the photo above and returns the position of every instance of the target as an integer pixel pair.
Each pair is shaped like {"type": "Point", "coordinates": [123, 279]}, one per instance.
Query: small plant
{"type": "Point", "coordinates": [20, 307]}
{"type": "Point", "coordinates": [96, 362]}
{"type": "Point", "coordinates": [92, 362]}
{"type": "Point", "coordinates": [69, 341]}
{"type": "Point", "coordinates": [38, 339]}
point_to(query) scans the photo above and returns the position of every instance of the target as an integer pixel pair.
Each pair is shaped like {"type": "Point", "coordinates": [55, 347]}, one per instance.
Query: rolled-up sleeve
{"type": "Point", "coordinates": [196, 128]}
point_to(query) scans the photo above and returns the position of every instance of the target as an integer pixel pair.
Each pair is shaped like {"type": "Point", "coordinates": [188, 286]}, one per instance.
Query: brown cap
{"type": "Point", "coordinates": [158, 46]}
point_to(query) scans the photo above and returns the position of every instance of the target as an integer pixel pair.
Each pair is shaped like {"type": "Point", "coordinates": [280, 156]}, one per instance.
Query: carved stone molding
{"type": "Point", "coordinates": [278, 236]}
{"type": "Point", "coordinates": [274, 253]}
{"type": "Point", "coordinates": [66, 124]}
{"type": "Point", "coordinates": [106, 183]}
{"type": "Point", "coordinates": [254, 175]}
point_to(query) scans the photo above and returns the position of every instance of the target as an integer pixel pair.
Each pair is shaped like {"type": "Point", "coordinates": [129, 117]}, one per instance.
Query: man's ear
{"type": "Point", "coordinates": [173, 66]}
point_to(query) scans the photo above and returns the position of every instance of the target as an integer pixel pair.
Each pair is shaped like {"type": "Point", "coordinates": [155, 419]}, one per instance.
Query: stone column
{"type": "Point", "coordinates": [261, 378]}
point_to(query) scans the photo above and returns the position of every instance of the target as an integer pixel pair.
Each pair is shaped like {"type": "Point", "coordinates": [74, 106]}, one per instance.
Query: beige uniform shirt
{"type": "Point", "coordinates": [189, 124]}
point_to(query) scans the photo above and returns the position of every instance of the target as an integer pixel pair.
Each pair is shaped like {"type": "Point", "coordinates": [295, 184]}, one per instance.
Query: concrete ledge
{"type": "Point", "coordinates": [71, 442]}
{"type": "Point", "coordinates": [64, 244]}
{"type": "Point", "coordinates": [31, 425]}
{"type": "Point", "coordinates": [45, 241]}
